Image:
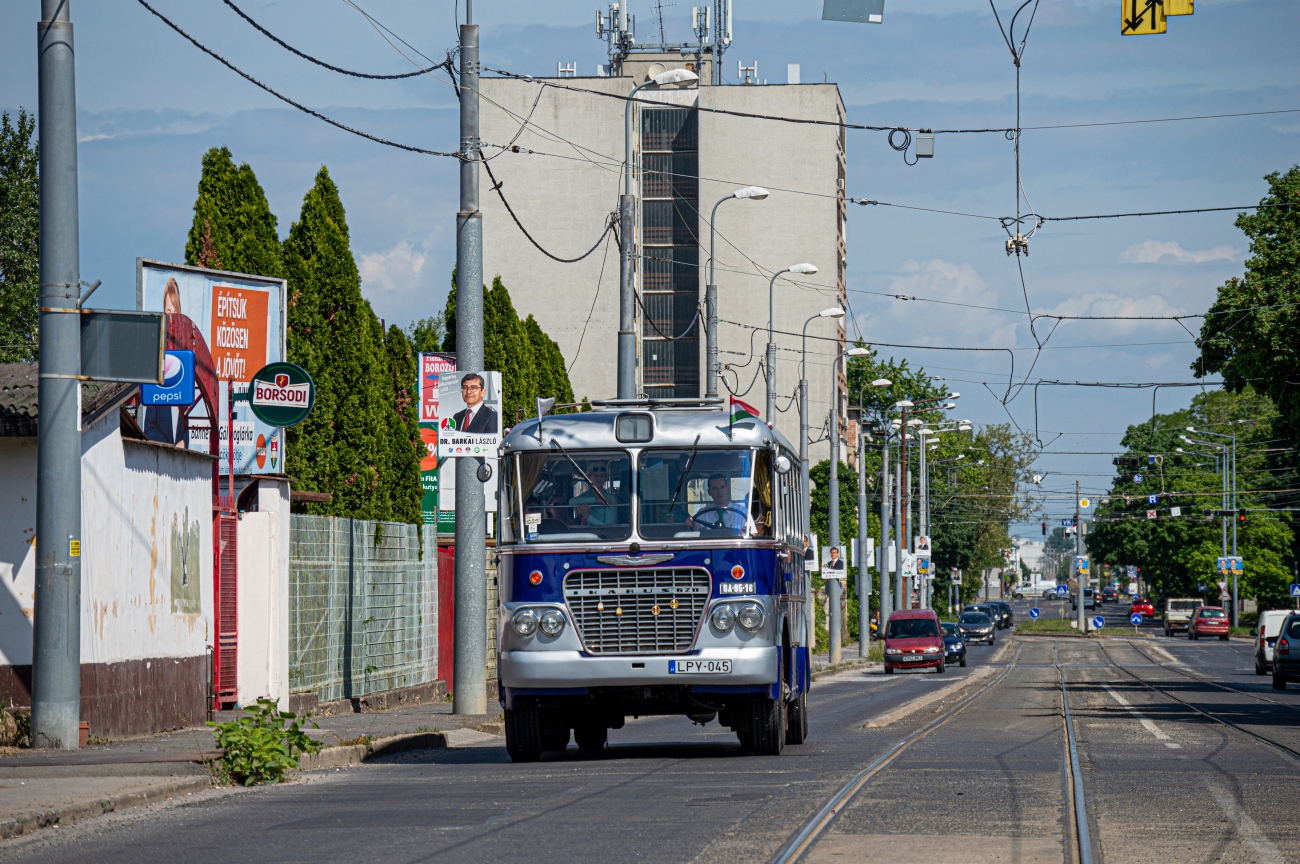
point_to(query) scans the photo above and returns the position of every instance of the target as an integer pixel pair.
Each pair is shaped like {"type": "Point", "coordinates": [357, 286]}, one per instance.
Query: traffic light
{"type": "Point", "coordinates": [1241, 516]}
{"type": "Point", "coordinates": [1044, 529]}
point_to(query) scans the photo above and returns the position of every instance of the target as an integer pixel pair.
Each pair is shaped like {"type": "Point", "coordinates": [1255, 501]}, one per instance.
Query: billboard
{"type": "Point", "coordinates": [242, 317]}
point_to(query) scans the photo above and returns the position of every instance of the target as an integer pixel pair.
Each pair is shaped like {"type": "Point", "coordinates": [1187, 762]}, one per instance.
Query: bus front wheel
{"type": "Point", "coordinates": [524, 733]}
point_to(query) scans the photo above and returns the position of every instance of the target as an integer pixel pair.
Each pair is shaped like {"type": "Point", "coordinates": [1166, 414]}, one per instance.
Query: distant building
{"type": "Point", "coordinates": [563, 186]}
{"type": "Point", "coordinates": [1031, 553]}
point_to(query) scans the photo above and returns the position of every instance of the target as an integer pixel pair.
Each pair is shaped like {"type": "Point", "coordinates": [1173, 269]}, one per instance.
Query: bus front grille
{"type": "Point", "coordinates": [637, 611]}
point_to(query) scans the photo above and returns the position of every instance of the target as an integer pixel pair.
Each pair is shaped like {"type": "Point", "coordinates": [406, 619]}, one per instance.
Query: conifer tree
{"type": "Point", "coordinates": [343, 447]}
{"type": "Point", "coordinates": [405, 447]}
{"type": "Point", "coordinates": [19, 238]}
{"type": "Point", "coordinates": [233, 226]}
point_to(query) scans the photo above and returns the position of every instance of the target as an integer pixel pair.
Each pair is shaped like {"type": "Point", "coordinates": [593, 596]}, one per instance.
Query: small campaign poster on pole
{"type": "Point", "coordinates": [439, 500]}
{"type": "Point", "coordinates": [835, 562]}
{"type": "Point", "coordinates": [469, 414]}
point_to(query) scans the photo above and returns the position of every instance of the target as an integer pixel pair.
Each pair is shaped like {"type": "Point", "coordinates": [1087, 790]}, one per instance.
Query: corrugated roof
{"type": "Point", "coordinates": [19, 398]}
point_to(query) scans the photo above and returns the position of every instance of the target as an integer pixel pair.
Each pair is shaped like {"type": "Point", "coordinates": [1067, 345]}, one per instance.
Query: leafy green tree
{"type": "Point", "coordinates": [347, 446]}
{"type": "Point", "coordinates": [19, 238]}
{"type": "Point", "coordinates": [427, 334]}
{"type": "Point", "coordinates": [233, 226]}
{"type": "Point", "coordinates": [1251, 334]}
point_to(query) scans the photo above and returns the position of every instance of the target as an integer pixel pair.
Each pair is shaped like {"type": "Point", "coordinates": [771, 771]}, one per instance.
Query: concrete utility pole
{"type": "Point", "coordinates": [864, 575]}
{"type": "Point", "coordinates": [627, 262]}
{"type": "Point", "coordinates": [886, 602]}
{"type": "Point", "coordinates": [469, 695]}
{"type": "Point", "coordinates": [900, 530]}
{"type": "Point", "coordinates": [1078, 550]}
{"type": "Point", "coordinates": [56, 648]}
{"type": "Point", "coordinates": [834, 586]}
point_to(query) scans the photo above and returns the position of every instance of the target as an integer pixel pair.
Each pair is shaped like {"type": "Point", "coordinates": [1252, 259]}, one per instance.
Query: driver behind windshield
{"type": "Point", "coordinates": [723, 515]}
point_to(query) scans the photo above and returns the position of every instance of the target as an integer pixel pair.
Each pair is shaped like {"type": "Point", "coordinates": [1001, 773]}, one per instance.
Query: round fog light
{"type": "Point", "coordinates": [724, 618]}
{"type": "Point", "coordinates": [525, 622]}
{"type": "Point", "coordinates": [552, 622]}
{"type": "Point", "coordinates": [750, 616]}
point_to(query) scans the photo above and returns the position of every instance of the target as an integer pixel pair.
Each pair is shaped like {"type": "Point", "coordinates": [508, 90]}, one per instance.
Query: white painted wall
{"type": "Point", "coordinates": [264, 597]}
{"type": "Point", "coordinates": [143, 507]}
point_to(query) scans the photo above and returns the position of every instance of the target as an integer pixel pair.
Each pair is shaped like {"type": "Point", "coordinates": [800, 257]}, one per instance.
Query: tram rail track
{"type": "Point", "coordinates": [1212, 715]}
{"type": "Point", "coordinates": [1171, 667]}
{"type": "Point", "coordinates": [803, 840]}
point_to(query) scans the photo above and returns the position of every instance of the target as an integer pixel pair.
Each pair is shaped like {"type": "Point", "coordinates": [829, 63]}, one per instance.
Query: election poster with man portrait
{"type": "Point", "coordinates": [834, 565]}
{"type": "Point", "coordinates": [469, 414]}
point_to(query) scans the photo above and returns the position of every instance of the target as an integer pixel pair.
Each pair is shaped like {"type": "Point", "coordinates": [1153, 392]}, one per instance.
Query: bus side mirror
{"type": "Point", "coordinates": [783, 464]}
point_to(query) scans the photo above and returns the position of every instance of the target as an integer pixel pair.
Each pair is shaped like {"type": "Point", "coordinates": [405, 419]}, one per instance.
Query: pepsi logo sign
{"type": "Point", "coordinates": [173, 370]}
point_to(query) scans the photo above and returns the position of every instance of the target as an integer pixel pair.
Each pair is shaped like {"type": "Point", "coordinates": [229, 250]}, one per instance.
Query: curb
{"type": "Point", "coordinates": [355, 754]}
{"type": "Point", "coordinates": [845, 666]}
{"type": "Point", "coordinates": [928, 699]}
{"type": "Point", "coordinates": [21, 825]}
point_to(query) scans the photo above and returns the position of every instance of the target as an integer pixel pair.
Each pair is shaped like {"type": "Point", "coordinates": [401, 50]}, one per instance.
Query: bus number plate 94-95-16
{"type": "Point", "coordinates": [698, 667]}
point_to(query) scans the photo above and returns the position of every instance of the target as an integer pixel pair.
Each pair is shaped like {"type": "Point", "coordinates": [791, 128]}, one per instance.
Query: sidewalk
{"type": "Point", "coordinates": [42, 789]}
{"type": "Point", "coordinates": [848, 658]}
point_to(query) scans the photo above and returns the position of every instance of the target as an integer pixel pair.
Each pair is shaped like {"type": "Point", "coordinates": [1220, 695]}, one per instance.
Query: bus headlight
{"type": "Point", "coordinates": [750, 616]}
{"type": "Point", "coordinates": [723, 618]}
{"type": "Point", "coordinates": [525, 622]}
{"type": "Point", "coordinates": [552, 622]}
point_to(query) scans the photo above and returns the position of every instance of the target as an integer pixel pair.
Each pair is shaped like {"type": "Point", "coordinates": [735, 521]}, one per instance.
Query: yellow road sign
{"type": "Point", "coordinates": [1179, 7]}
{"type": "Point", "coordinates": [1141, 17]}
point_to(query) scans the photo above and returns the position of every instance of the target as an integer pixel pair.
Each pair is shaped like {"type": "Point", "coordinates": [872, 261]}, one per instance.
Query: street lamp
{"type": "Point", "coordinates": [830, 312]}
{"type": "Point", "coordinates": [833, 586]}
{"type": "Point", "coordinates": [753, 193]}
{"type": "Point", "coordinates": [626, 219]}
{"type": "Point", "coordinates": [864, 578]}
{"type": "Point", "coordinates": [771, 344]}
{"type": "Point", "coordinates": [1232, 461]}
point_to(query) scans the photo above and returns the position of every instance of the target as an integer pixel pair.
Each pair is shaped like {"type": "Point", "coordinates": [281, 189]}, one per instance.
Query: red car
{"type": "Point", "coordinates": [913, 640]}
{"type": "Point", "coordinates": [1143, 607]}
{"type": "Point", "coordinates": [1209, 621]}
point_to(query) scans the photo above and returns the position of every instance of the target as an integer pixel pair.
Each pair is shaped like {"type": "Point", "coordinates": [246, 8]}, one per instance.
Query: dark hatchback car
{"type": "Point", "coordinates": [954, 643]}
{"type": "Point", "coordinates": [995, 615]}
{"type": "Point", "coordinates": [1286, 653]}
{"type": "Point", "coordinates": [978, 627]}
{"type": "Point", "coordinates": [913, 640]}
{"type": "Point", "coordinates": [1110, 595]}
{"type": "Point", "coordinates": [1008, 616]}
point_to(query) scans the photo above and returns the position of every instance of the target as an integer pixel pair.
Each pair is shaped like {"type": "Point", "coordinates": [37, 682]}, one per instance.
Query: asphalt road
{"type": "Point", "coordinates": [1161, 781]}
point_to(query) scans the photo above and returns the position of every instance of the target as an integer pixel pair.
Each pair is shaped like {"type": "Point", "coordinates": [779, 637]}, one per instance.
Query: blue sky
{"type": "Point", "coordinates": [150, 104]}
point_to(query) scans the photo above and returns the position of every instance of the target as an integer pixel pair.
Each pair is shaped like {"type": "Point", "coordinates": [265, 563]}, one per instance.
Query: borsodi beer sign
{"type": "Point", "coordinates": [282, 394]}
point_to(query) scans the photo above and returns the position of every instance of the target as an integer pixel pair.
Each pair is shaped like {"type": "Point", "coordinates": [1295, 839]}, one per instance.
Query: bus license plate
{"type": "Point", "coordinates": [698, 667]}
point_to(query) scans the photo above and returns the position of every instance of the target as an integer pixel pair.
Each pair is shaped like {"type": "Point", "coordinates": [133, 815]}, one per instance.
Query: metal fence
{"type": "Point", "coordinates": [363, 606]}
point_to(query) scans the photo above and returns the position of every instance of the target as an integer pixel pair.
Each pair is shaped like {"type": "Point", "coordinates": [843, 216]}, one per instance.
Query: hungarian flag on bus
{"type": "Point", "coordinates": [741, 411]}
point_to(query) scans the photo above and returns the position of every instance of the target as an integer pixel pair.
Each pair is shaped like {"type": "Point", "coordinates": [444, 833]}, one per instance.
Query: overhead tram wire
{"type": "Point", "coordinates": [286, 46]}
{"type": "Point", "coordinates": [1160, 120]}
{"type": "Point", "coordinates": [496, 187]}
{"type": "Point", "coordinates": [319, 116]}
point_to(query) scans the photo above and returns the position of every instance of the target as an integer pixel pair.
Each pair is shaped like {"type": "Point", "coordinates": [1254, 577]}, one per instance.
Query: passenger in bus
{"type": "Point", "coordinates": [723, 515]}
{"type": "Point", "coordinates": [593, 508]}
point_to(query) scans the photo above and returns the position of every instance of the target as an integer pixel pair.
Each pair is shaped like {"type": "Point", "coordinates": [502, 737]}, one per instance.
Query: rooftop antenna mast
{"type": "Point", "coordinates": [659, 10]}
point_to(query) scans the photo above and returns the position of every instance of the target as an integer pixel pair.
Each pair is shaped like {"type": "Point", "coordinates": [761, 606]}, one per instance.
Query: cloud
{"type": "Point", "coordinates": [1101, 304]}
{"type": "Point", "coordinates": [1154, 251]}
{"type": "Point", "coordinates": [394, 271]}
{"type": "Point", "coordinates": [928, 323]}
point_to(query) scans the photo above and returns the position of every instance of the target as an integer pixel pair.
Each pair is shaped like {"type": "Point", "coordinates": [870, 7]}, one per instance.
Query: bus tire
{"type": "Point", "coordinates": [796, 720]}
{"type": "Point", "coordinates": [767, 720]}
{"type": "Point", "coordinates": [590, 737]}
{"type": "Point", "coordinates": [524, 733]}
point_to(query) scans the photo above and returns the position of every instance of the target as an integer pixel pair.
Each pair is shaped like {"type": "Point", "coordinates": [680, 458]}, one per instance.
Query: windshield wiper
{"type": "Point", "coordinates": [685, 473]}
{"type": "Point", "coordinates": [590, 485]}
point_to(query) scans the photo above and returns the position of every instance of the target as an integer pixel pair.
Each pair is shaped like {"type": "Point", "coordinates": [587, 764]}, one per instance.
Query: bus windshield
{"type": "Point", "coordinates": [576, 495]}
{"type": "Point", "coordinates": [703, 493]}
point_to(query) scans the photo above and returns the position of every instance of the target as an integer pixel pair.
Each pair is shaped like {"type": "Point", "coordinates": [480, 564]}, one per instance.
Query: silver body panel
{"type": "Point", "coordinates": [564, 669]}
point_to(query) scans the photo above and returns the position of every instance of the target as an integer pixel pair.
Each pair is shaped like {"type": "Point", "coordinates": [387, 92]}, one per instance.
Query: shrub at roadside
{"type": "Point", "coordinates": [261, 746]}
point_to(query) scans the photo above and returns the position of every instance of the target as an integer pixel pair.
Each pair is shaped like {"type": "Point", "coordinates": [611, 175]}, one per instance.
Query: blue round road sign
{"type": "Point", "coordinates": [1035, 612]}
{"type": "Point", "coordinates": [1135, 619]}
{"type": "Point", "coordinates": [1062, 590]}
{"type": "Point", "coordinates": [1098, 622]}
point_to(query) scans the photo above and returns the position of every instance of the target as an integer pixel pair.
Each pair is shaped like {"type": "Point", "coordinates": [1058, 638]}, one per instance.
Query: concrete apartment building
{"type": "Point", "coordinates": [563, 185]}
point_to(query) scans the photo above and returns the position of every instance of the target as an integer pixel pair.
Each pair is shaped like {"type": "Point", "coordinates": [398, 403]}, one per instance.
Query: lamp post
{"type": "Point", "coordinates": [627, 245]}
{"type": "Point", "coordinates": [754, 193]}
{"type": "Point", "coordinates": [771, 344]}
{"type": "Point", "coordinates": [835, 586]}
{"type": "Point", "coordinates": [1232, 461]}
{"type": "Point", "coordinates": [904, 505]}
{"type": "Point", "coordinates": [864, 577]}
{"type": "Point", "coordinates": [832, 312]}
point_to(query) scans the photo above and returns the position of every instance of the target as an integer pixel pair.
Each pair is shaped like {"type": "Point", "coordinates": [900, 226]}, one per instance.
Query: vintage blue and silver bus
{"type": "Point", "coordinates": [651, 562]}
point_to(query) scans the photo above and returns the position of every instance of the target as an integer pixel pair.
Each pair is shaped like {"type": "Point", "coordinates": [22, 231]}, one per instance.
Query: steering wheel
{"type": "Point", "coordinates": [718, 523]}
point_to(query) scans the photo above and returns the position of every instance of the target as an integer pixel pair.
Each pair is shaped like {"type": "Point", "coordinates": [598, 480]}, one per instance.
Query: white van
{"type": "Point", "coordinates": [1270, 625]}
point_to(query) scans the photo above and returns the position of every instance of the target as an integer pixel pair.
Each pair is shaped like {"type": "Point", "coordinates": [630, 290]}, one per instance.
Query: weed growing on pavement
{"type": "Point", "coordinates": [262, 745]}
{"type": "Point", "coordinates": [876, 652]}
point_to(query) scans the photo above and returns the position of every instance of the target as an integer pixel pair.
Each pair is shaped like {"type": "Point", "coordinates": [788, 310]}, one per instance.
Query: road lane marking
{"type": "Point", "coordinates": [1165, 654]}
{"type": "Point", "coordinates": [1147, 723]}
{"type": "Point", "coordinates": [914, 705]}
{"type": "Point", "coordinates": [1265, 851]}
